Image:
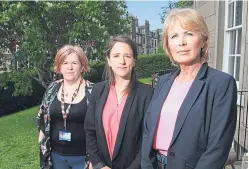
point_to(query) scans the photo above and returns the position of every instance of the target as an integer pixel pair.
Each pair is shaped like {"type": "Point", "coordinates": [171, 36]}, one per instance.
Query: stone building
{"type": "Point", "coordinates": [147, 40]}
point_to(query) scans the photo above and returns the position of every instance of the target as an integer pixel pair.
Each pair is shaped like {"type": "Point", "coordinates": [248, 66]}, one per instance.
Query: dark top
{"type": "Point", "coordinates": [127, 147]}
{"type": "Point", "coordinates": [75, 125]}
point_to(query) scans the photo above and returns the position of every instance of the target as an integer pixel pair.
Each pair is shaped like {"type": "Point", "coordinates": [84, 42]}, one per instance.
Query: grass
{"type": "Point", "coordinates": [18, 145]}
{"type": "Point", "coordinates": [146, 80]}
{"type": "Point", "coordinates": [18, 134]}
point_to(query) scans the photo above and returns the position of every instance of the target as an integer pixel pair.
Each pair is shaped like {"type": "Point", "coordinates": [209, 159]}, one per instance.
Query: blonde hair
{"type": "Point", "coordinates": [67, 50]}
{"type": "Point", "coordinates": [189, 19]}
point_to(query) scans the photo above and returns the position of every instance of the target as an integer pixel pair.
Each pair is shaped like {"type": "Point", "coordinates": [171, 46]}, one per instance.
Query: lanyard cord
{"type": "Point", "coordinates": [65, 113]}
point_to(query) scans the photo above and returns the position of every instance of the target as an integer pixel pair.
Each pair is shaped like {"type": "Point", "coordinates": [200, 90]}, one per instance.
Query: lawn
{"type": "Point", "coordinates": [18, 145]}
{"type": "Point", "coordinates": [18, 134]}
{"type": "Point", "coordinates": [146, 80]}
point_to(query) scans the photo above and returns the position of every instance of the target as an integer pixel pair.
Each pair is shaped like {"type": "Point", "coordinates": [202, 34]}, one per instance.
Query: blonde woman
{"type": "Point", "coordinates": [191, 120]}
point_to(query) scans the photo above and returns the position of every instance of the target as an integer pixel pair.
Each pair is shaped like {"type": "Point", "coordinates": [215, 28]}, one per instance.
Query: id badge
{"type": "Point", "coordinates": [64, 136]}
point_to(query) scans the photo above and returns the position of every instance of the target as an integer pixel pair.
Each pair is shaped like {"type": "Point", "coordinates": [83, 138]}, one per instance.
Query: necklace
{"type": "Point", "coordinates": [63, 112]}
{"type": "Point", "coordinates": [119, 101]}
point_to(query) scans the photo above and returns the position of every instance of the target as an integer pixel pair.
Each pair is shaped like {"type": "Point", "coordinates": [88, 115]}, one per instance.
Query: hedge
{"type": "Point", "coordinates": [146, 65]}
{"type": "Point", "coordinates": [96, 72]}
{"type": "Point", "coordinates": [10, 104]}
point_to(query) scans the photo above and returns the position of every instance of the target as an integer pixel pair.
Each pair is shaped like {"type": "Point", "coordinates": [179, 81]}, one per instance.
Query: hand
{"type": "Point", "coordinates": [90, 166]}
{"type": "Point", "coordinates": [106, 167]}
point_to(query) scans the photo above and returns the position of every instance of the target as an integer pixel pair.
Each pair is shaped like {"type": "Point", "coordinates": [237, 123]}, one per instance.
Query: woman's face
{"type": "Point", "coordinates": [71, 67]}
{"type": "Point", "coordinates": [121, 60]}
{"type": "Point", "coordinates": [184, 45]}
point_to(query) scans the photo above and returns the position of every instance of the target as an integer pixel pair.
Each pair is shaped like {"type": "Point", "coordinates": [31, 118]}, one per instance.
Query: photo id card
{"type": "Point", "coordinates": [65, 136]}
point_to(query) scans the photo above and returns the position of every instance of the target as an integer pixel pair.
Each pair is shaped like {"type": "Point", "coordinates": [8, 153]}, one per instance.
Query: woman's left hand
{"type": "Point", "coordinates": [88, 165]}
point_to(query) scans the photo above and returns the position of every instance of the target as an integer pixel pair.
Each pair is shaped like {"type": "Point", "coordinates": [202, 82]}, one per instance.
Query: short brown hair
{"type": "Point", "coordinates": [67, 50]}
{"type": "Point", "coordinates": [189, 19]}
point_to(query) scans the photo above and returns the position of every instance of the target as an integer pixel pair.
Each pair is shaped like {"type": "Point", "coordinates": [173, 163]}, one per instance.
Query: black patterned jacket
{"type": "Point", "coordinates": [43, 121]}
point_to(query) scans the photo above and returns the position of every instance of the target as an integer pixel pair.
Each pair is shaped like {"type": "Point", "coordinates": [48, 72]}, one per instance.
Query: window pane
{"type": "Point", "coordinates": [237, 68]}
{"type": "Point", "coordinates": [239, 41]}
{"type": "Point", "coordinates": [232, 42]}
{"type": "Point", "coordinates": [231, 65]}
{"type": "Point", "coordinates": [238, 15]}
{"type": "Point", "coordinates": [230, 14]}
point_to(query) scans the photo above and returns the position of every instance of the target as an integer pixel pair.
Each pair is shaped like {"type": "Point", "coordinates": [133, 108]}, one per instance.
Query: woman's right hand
{"type": "Point", "coordinates": [105, 167]}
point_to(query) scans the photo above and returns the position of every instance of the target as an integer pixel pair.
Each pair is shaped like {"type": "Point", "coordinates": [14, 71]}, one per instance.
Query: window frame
{"type": "Point", "coordinates": [227, 39]}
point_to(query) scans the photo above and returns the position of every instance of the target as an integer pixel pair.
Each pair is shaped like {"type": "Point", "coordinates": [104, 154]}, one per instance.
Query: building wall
{"type": "Point", "coordinates": [220, 34]}
{"type": "Point", "coordinates": [242, 127]}
{"type": "Point", "coordinates": [214, 15]}
{"type": "Point", "coordinates": [244, 51]}
{"type": "Point", "coordinates": [5, 61]}
{"type": "Point", "coordinates": [208, 9]}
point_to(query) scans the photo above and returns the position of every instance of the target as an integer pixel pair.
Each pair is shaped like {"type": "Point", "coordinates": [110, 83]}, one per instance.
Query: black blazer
{"type": "Point", "coordinates": [205, 125]}
{"type": "Point", "coordinates": [127, 148]}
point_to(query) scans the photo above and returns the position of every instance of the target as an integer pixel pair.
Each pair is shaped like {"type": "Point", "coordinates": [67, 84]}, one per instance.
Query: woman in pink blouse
{"type": "Point", "coordinates": [116, 109]}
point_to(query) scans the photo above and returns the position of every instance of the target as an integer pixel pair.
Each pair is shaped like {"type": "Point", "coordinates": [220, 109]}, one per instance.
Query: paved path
{"type": "Point", "coordinates": [237, 165]}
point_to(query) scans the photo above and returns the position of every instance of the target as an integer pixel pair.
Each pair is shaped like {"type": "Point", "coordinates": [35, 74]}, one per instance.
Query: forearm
{"type": "Point", "coordinates": [217, 151]}
{"type": "Point", "coordinates": [91, 139]}
{"type": "Point", "coordinates": [222, 127]}
{"type": "Point", "coordinates": [136, 164]}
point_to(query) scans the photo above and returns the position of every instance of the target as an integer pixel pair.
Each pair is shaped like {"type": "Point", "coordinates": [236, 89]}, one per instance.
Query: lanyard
{"type": "Point", "coordinates": [65, 113]}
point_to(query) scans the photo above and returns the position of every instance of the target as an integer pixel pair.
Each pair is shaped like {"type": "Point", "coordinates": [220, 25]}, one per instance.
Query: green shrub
{"type": "Point", "coordinates": [145, 66]}
{"type": "Point", "coordinates": [96, 71]}
{"type": "Point", "coordinates": [148, 64]}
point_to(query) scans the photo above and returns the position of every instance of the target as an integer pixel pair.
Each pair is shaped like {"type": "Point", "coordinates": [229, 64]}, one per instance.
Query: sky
{"type": "Point", "coordinates": [147, 10]}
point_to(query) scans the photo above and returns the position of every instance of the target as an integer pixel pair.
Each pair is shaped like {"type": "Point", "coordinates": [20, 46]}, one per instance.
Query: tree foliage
{"type": "Point", "coordinates": [175, 4]}
{"type": "Point", "coordinates": [40, 28]}
{"type": "Point", "coordinates": [160, 48]}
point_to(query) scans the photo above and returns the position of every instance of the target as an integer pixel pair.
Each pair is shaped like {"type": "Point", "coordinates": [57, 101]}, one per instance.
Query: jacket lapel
{"type": "Point", "coordinates": [123, 120]}
{"type": "Point", "coordinates": [100, 129]}
{"type": "Point", "coordinates": [188, 102]}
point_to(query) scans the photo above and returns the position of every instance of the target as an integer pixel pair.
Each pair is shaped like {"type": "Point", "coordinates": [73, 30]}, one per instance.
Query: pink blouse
{"type": "Point", "coordinates": [111, 117]}
{"type": "Point", "coordinates": [168, 116]}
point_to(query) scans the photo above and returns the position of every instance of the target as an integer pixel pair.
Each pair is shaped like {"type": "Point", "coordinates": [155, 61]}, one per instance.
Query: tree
{"type": "Point", "coordinates": [175, 4]}
{"type": "Point", "coordinates": [40, 28]}
{"type": "Point", "coordinates": [160, 48]}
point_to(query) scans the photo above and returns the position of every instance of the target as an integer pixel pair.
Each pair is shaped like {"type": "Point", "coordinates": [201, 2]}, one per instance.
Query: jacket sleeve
{"type": "Point", "coordinates": [222, 126]}
{"type": "Point", "coordinates": [40, 116]}
{"type": "Point", "coordinates": [43, 107]}
{"type": "Point", "coordinates": [91, 138]}
{"type": "Point", "coordinates": [136, 164]}
{"type": "Point", "coordinates": [146, 162]}
{"type": "Point", "coordinates": [39, 119]}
